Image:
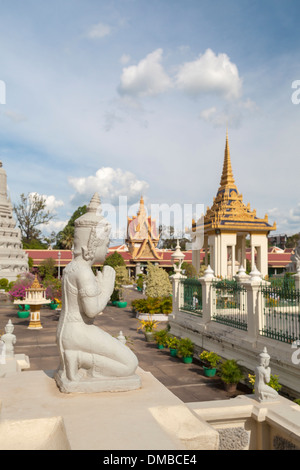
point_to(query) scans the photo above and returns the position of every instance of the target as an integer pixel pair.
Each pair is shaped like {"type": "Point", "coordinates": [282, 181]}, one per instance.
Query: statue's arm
{"type": "Point", "coordinates": [95, 291]}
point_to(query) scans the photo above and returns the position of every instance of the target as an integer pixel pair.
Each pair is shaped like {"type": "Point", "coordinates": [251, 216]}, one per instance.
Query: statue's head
{"type": "Point", "coordinates": [264, 357]}
{"type": "Point", "coordinates": [9, 328]}
{"type": "Point", "coordinates": [92, 232]}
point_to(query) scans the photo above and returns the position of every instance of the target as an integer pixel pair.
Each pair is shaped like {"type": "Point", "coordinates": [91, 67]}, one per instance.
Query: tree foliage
{"type": "Point", "coordinates": [115, 259]}
{"type": "Point", "coordinates": [31, 213]}
{"type": "Point", "coordinates": [157, 282]}
{"type": "Point", "coordinates": [65, 238]}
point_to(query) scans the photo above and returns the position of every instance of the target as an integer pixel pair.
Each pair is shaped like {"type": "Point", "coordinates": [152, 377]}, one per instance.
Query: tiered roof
{"type": "Point", "coordinates": [228, 212]}
{"type": "Point", "coordinates": [142, 237]}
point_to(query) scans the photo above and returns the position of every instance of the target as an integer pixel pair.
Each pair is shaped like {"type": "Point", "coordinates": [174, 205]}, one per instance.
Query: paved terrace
{"type": "Point", "coordinates": [186, 381]}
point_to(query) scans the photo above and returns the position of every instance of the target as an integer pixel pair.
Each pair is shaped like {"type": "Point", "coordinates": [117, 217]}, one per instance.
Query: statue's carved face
{"type": "Point", "coordinates": [101, 249]}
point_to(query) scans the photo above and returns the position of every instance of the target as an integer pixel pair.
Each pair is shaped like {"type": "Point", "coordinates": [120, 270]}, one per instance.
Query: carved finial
{"type": "Point", "coordinates": [35, 284]}
{"type": "Point", "coordinates": [227, 178]}
{"type": "Point", "coordinates": [94, 203]}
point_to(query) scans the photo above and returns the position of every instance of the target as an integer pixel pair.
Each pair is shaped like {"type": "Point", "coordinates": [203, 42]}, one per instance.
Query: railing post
{"type": "Point", "coordinates": [254, 304]}
{"type": "Point", "coordinates": [242, 277]}
{"type": "Point", "coordinates": [297, 279]}
{"type": "Point", "coordinates": [177, 291]}
{"type": "Point", "coordinates": [207, 298]}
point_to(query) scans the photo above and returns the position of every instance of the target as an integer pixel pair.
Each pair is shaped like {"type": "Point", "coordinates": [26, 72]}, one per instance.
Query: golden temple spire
{"type": "Point", "coordinates": [227, 179]}
{"type": "Point", "coordinates": [142, 206]}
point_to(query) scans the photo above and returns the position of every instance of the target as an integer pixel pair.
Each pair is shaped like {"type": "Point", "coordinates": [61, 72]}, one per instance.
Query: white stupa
{"type": "Point", "coordinates": [13, 259]}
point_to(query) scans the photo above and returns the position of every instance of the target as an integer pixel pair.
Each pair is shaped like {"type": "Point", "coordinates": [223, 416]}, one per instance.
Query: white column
{"type": "Point", "coordinates": [177, 292]}
{"type": "Point", "coordinates": [207, 298]}
{"type": "Point", "coordinates": [233, 260]}
{"type": "Point", "coordinates": [254, 304]}
{"type": "Point", "coordinates": [244, 259]}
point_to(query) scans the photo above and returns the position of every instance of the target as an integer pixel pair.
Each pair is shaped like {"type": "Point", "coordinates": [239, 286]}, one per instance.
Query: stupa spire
{"type": "Point", "coordinates": [227, 179]}
{"type": "Point", "coordinates": [142, 207]}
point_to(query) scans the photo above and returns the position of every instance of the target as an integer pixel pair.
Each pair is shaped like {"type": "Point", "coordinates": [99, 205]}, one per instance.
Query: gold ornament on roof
{"type": "Point", "coordinates": [228, 211]}
{"type": "Point", "coordinates": [35, 284]}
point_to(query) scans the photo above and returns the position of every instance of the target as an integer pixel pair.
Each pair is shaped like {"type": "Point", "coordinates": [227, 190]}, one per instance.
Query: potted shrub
{"type": "Point", "coordinates": [148, 326]}
{"type": "Point", "coordinates": [210, 361]}
{"type": "Point", "coordinates": [161, 338]}
{"type": "Point", "coordinates": [172, 343]}
{"type": "Point", "coordinates": [121, 279]}
{"type": "Point", "coordinates": [231, 374]}
{"type": "Point", "coordinates": [140, 282]}
{"type": "Point", "coordinates": [186, 350]}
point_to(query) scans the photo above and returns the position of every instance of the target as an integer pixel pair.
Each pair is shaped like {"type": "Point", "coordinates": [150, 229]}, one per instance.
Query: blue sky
{"type": "Point", "coordinates": [133, 97]}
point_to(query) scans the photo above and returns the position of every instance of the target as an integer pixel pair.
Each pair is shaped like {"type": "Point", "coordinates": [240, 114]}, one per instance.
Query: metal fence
{"type": "Point", "coordinates": [191, 296]}
{"type": "Point", "coordinates": [281, 312]}
{"type": "Point", "coordinates": [229, 304]}
{"type": "Point", "coordinates": [285, 282]}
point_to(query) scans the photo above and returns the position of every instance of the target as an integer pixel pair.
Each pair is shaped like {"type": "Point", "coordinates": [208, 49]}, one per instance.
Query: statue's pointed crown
{"type": "Point", "coordinates": [93, 214]}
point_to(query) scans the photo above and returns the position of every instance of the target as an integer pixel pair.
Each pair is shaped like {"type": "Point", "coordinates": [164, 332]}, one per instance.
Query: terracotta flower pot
{"type": "Point", "coordinates": [231, 388]}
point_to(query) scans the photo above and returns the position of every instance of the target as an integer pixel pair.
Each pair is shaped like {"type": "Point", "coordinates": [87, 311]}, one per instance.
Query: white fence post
{"type": "Point", "coordinates": [177, 292]}
{"type": "Point", "coordinates": [254, 304]}
{"type": "Point", "coordinates": [207, 297]}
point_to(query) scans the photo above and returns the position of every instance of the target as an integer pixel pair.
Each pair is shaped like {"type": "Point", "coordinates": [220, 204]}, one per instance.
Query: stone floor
{"type": "Point", "coordinates": [186, 381]}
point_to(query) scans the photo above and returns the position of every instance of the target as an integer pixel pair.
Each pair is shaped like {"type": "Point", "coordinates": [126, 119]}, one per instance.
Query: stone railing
{"type": "Point", "coordinates": [237, 322]}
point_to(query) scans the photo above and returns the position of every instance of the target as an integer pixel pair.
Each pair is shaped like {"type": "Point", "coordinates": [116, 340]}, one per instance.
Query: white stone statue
{"type": "Point", "coordinates": [9, 339]}
{"type": "Point", "coordinates": [91, 359]}
{"type": "Point", "coordinates": [263, 391]}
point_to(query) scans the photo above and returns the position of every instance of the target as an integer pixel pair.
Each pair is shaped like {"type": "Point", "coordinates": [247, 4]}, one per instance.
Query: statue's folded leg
{"type": "Point", "coordinates": [96, 365]}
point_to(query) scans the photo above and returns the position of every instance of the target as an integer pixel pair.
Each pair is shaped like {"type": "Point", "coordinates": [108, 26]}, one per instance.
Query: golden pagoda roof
{"type": "Point", "coordinates": [142, 237]}
{"type": "Point", "coordinates": [228, 211]}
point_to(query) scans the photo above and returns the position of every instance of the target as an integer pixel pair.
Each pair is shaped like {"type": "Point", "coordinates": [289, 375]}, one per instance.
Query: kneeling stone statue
{"type": "Point", "coordinates": [91, 360]}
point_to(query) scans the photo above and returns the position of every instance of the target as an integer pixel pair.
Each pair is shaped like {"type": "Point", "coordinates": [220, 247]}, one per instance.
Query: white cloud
{"type": "Point", "coordinates": [110, 184]}
{"type": "Point", "coordinates": [287, 221]}
{"type": "Point", "coordinates": [125, 58]}
{"type": "Point", "coordinates": [53, 226]}
{"type": "Point", "coordinates": [147, 78]}
{"type": "Point", "coordinates": [231, 114]}
{"type": "Point", "coordinates": [210, 73]}
{"type": "Point", "coordinates": [99, 30]}
{"type": "Point", "coordinates": [51, 202]}
{"type": "Point", "coordinates": [15, 116]}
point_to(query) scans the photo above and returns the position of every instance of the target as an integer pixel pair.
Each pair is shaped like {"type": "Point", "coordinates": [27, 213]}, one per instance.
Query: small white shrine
{"type": "Point", "coordinates": [226, 226]}
{"type": "Point", "coordinates": [35, 297]}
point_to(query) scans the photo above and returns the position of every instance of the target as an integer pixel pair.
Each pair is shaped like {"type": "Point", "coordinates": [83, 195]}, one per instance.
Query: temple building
{"type": "Point", "coordinates": [142, 239]}
{"type": "Point", "coordinates": [13, 259]}
{"type": "Point", "coordinates": [226, 226]}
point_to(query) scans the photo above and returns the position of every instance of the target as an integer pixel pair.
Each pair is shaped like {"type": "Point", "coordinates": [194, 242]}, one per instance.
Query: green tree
{"type": "Point", "coordinates": [47, 268]}
{"type": "Point", "coordinates": [115, 259]}
{"type": "Point", "coordinates": [157, 282]}
{"type": "Point", "coordinates": [31, 212]}
{"type": "Point", "coordinates": [65, 238]}
{"type": "Point", "coordinates": [189, 269]}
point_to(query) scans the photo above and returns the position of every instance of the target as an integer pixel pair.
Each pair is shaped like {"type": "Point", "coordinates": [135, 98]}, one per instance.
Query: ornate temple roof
{"type": "Point", "coordinates": [142, 237]}
{"type": "Point", "coordinates": [228, 212]}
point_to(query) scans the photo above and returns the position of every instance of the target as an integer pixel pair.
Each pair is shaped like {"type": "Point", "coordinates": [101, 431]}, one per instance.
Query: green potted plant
{"type": "Point", "coordinates": [172, 343]}
{"type": "Point", "coordinates": [231, 374]}
{"type": "Point", "coordinates": [140, 282]}
{"type": "Point", "coordinates": [160, 338]}
{"type": "Point", "coordinates": [148, 326]}
{"type": "Point", "coordinates": [186, 350]}
{"type": "Point", "coordinates": [210, 361]}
